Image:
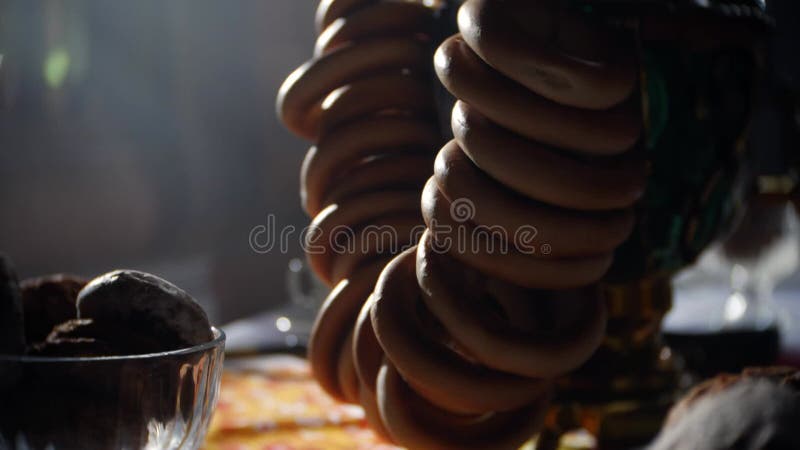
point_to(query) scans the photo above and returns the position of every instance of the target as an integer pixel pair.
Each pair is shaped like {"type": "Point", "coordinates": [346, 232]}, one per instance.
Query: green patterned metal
{"type": "Point", "coordinates": [698, 110]}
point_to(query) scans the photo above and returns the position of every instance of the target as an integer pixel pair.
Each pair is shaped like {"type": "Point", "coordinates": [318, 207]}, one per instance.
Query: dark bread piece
{"type": "Point", "coordinates": [48, 301]}
{"type": "Point", "coordinates": [72, 338]}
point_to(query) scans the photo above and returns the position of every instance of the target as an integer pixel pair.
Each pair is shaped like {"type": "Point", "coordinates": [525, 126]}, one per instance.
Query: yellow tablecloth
{"type": "Point", "coordinates": [272, 403]}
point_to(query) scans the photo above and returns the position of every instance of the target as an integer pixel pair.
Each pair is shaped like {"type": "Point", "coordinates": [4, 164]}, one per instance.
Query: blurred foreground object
{"type": "Point", "coordinates": [759, 409]}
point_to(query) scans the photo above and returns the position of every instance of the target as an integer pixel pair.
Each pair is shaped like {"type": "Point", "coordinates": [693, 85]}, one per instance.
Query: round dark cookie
{"type": "Point", "coordinates": [142, 312]}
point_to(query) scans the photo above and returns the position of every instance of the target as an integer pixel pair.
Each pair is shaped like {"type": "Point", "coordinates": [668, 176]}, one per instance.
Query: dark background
{"type": "Point", "coordinates": [157, 147]}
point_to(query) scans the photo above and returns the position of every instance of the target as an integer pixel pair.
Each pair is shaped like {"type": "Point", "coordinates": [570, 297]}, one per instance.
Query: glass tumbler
{"type": "Point", "coordinates": [152, 401]}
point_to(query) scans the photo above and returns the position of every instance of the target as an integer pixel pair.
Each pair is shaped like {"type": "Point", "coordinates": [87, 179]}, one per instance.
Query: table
{"type": "Point", "coordinates": [273, 403]}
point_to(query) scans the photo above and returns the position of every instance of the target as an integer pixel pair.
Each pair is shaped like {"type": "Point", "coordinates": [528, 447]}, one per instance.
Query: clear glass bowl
{"type": "Point", "coordinates": [154, 401]}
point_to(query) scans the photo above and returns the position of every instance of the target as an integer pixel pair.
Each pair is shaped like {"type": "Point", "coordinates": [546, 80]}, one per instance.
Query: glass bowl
{"type": "Point", "coordinates": [153, 401]}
